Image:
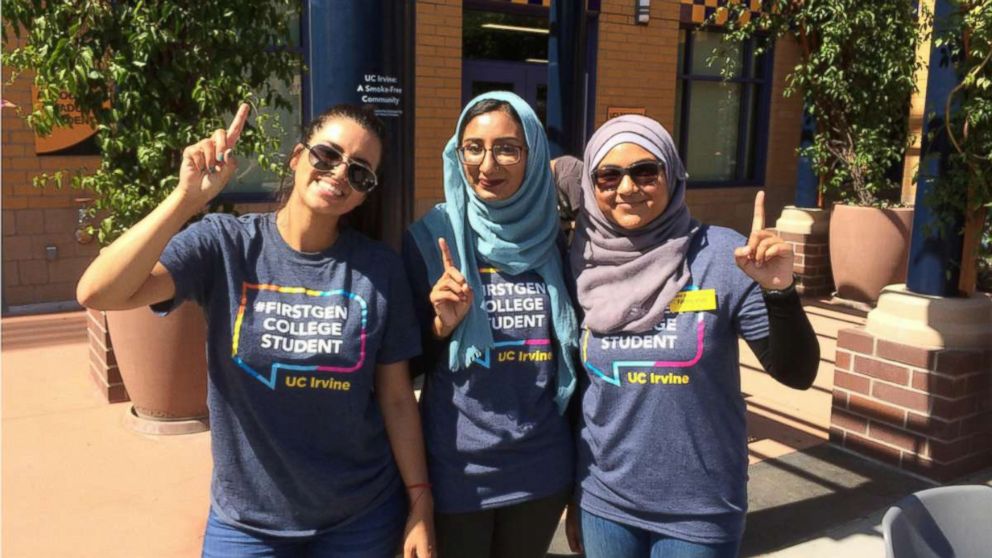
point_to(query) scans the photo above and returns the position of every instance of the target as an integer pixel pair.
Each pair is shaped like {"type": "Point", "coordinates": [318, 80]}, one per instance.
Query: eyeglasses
{"type": "Point", "coordinates": [505, 154]}
{"type": "Point", "coordinates": [643, 173]}
{"type": "Point", "coordinates": [325, 158]}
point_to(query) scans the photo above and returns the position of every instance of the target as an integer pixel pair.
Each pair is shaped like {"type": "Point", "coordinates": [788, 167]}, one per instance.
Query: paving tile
{"type": "Point", "coordinates": [42, 380]}
{"type": "Point", "coordinates": [101, 487]}
{"type": "Point", "coordinates": [71, 470]}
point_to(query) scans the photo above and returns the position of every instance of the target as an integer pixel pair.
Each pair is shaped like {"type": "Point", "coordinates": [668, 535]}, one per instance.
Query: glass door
{"type": "Point", "coordinates": [529, 80]}
{"type": "Point", "coordinates": [506, 51]}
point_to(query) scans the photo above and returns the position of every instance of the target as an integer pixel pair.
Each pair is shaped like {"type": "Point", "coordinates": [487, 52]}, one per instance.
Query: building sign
{"type": "Point", "coordinates": [61, 139]}
{"type": "Point", "coordinates": [613, 112]}
{"type": "Point", "coordinates": [382, 92]}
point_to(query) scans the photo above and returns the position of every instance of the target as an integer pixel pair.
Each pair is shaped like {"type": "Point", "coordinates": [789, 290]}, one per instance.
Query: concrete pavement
{"type": "Point", "coordinates": [76, 482]}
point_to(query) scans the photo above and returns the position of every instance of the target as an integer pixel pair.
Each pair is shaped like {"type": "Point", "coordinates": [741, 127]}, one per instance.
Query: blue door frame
{"type": "Point", "coordinates": [362, 53]}
{"type": "Point", "coordinates": [525, 78]}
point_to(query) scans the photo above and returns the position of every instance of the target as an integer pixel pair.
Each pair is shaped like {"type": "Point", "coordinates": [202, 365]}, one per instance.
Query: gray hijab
{"type": "Point", "coordinates": [626, 278]}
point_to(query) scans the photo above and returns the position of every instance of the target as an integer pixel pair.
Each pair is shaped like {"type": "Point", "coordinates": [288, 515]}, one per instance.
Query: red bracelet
{"type": "Point", "coordinates": [426, 486]}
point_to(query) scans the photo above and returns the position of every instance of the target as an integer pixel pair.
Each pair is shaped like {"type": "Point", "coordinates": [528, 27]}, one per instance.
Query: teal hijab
{"type": "Point", "coordinates": [514, 235]}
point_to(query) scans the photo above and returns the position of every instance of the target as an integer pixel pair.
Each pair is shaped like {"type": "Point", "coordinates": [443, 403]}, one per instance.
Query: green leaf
{"type": "Point", "coordinates": [172, 70]}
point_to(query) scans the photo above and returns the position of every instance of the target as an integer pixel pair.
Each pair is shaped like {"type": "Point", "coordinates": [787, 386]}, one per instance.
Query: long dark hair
{"type": "Point", "coordinates": [488, 105]}
{"type": "Point", "coordinates": [366, 217]}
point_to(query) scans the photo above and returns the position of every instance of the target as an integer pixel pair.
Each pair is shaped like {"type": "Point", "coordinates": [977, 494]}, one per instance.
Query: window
{"type": "Point", "coordinates": [490, 35]}
{"type": "Point", "coordinates": [251, 182]}
{"type": "Point", "coordinates": [721, 126]}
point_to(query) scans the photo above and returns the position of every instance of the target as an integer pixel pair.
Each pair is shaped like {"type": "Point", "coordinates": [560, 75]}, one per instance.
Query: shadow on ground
{"type": "Point", "coordinates": [797, 497]}
{"type": "Point", "coordinates": [802, 495]}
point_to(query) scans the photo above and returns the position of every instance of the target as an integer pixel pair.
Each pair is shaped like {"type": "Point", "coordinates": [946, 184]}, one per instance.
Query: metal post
{"type": "Point", "coordinates": [566, 77]}
{"type": "Point", "coordinates": [363, 53]}
{"type": "Point", "coordinates": [807, 181]}
{"type": "Point", "coordinates": [934, 256]}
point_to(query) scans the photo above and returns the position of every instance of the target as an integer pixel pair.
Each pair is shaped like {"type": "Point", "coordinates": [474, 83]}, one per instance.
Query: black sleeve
{"type": "Point", "coordinates": [791, 352]}
{"type": "Point", "coordinates": [420, 287]}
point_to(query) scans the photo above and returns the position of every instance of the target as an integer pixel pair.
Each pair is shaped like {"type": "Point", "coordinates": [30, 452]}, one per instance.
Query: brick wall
{"type": "Point", "coordinates": [637, 64]}
{"type": "Point", "coordinates": [35, 218]}
{"type": "Point", "coordinates": [103, 362]}
{"type": "Point", "coordinates": [925, 410]}
{"type": "Point", "coordinates": [653, 48]}
{"type": "Point", "coordinates": [438, 94]}
{"type": "Point", "coordinates": [812, 263]}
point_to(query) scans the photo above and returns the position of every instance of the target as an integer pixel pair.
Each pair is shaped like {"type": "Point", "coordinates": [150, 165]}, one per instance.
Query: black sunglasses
{"type": "Point", "coordinates": [325, 158]}
{"type": "Point", "coordinates": [643, 173]}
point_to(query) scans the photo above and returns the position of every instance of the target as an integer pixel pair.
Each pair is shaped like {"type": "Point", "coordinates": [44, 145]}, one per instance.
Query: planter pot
{"type": "Point", "coordinates": [162, 361]}
{"type": "Point", "coordinates": [869, 249]}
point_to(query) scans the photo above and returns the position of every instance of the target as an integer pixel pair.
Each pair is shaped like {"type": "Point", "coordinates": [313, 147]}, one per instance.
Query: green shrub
{"type": "Point", "coordinates": [965, 188]}
{"type": "Point", "coordinates": [156, 77]}
{"type": "Point", "coordinates": [856, 75]}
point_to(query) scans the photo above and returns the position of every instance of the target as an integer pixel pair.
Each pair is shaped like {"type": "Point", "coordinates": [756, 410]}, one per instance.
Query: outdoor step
{"type": "Point", "coordinates": [30, 331]}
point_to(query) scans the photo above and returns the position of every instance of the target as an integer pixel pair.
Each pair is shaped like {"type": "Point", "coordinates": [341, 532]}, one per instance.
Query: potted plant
{"type": "Point", "coordinates": [856, 75]}
{"type": "Point", "coordinates": [965, 188]}
{"type": "Point", "coordinates": [153, 77]}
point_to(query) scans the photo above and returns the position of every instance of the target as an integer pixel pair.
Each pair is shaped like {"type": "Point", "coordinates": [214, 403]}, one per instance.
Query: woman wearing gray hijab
{"type": "Point", "coordinates": [663, 447]}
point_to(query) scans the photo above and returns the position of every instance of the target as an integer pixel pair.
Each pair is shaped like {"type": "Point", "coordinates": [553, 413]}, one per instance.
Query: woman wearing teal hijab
{"type": "Point", "coordinates": [500, 337]}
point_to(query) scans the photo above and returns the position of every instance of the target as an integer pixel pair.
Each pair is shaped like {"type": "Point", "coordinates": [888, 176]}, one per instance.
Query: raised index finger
{"type": "Point", "coordinates": [238, 124]}
{"type": "Point", "coordinates": [446, 258]}
{"type": "Point", "coordinates": [758, 224]}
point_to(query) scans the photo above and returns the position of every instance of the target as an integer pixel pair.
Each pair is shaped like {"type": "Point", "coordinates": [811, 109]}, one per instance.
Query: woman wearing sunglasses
{"type": "Point", "coordinates": [499, 333]}
{"type": "Point", "coordinates": [663, 448]}
{"type": "Point", "coordinates": [314, 426]}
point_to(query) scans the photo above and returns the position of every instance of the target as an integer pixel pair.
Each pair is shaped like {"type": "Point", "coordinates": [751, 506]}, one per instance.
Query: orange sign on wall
{"type": "Point", "coordinates": [613, 112]}
{"type": "Point", "coordinates": [79, 130]}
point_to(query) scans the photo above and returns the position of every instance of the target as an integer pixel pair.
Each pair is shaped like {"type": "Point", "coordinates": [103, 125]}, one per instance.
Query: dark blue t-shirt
{"type": "Point", "coordinates": [298, 440]}
{"type": "Point", "coordinates": [493, 431]}
{"type": "Point", "coordinates": [663, 443]}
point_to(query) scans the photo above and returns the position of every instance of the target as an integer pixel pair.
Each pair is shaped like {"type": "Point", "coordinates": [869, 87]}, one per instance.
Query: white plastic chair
{"type": "Point", "coordinates": [945, 522]}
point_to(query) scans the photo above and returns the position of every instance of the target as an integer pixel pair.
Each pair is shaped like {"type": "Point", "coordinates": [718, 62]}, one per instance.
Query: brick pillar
{"type": "Point", "coordinates": [807, 230]}
{"type": "Point", "coordinates": [103, 365]}
{"type": "Point", "coordinates": [924, 409]}
{"type": "Point", "coordinates": [438, 95]}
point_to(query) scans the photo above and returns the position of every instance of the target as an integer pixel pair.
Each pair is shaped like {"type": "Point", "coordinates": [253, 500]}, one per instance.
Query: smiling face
{"type": "Point", "coordinates": [631, 206]}
{"type": "Point", "coordinates": [329, 193]}
{"type": "Point", "coordinates": [490, 180]}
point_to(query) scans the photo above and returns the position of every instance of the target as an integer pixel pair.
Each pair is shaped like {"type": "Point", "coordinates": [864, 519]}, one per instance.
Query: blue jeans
{"type": "Point", "coordinates": [604, 538]}
{"type": "Point", "coordinates": [376, 534]}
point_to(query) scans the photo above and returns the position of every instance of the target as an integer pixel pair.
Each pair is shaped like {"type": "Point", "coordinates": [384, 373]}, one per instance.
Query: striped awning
{"type": "Point", "coordinates": [593, 5]}
{"type": "Point", "coordinates": [698, 11]}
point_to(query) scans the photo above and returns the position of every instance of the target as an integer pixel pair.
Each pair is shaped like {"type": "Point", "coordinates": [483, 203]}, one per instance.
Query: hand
{"type": "Point", "coordinates": [451, 296]}
{"type": "Point", "coordinates": [418, 540]}
{"type": "Point", "coordinates": [767, 258]}
{"type": "Point", "coordinates": [208, 165]}
{"type": "Point", "coordinates": [572, 530]}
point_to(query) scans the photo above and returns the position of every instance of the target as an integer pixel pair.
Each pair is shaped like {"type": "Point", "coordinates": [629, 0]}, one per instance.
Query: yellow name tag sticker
{"type": "Point", "coordinates": [693, 301]}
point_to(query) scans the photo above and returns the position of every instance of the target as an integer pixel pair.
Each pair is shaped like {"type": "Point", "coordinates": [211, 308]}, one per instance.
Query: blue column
{"type": "Point", "coordinates": [934, 257]}
{"type": "Point", "coordinates": [566, 87]}
{"type": "Point", "coordinates": [807, 181]}
{"type": "Point", "coordinates": [361, 52]}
